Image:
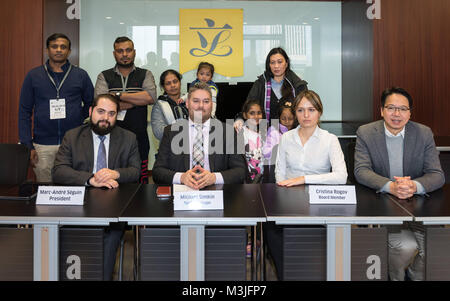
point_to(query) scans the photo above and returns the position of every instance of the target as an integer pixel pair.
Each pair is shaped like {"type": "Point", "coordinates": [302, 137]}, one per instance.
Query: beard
{"type": "Point", "coordinates": [129, 65]}
{"type": "Point", "coordinates": [101, 131]}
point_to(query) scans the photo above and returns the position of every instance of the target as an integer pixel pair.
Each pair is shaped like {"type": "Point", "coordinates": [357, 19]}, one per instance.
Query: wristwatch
{"type": "Point", "coordinates": [118, 95]}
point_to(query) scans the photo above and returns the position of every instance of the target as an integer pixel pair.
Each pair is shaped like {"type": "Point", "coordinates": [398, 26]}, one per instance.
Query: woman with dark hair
{"type": "Point", "coordinates": [276, 83]}
{"type": "Point", "coordinates": [169, 106]}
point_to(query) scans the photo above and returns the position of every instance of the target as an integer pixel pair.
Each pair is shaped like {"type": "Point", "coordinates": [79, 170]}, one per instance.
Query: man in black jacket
{"type": "Point", "coordinates": [196, 152]}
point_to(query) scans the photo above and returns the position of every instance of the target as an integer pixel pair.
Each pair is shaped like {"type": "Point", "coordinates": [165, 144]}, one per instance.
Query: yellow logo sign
{"type": "Point", "coordinates": [214, 36]}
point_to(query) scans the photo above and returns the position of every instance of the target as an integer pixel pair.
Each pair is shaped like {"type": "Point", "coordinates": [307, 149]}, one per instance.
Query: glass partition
{"type": "Point", "coordinates": [310, 32]}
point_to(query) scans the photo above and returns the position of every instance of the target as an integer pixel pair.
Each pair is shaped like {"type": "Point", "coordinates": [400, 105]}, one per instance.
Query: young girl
{"type": "Point", "coordinates": [287, 123]}
{"type": "Point", "coordinates": [205, 73]}
{"type": "Point", "coordinates": [252, 112]}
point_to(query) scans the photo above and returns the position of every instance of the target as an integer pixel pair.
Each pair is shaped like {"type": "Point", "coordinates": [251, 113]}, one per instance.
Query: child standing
{"type": "Point", "coordinates": [274, 133]}
{"type": "Point", "coordinates": [253, 142]}
{"type": "Point", "coordinates": [205, 73]}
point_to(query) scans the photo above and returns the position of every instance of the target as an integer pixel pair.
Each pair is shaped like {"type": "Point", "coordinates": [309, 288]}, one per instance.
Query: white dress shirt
{"type": "Point", "coordinates": [320, 160]}
{"type": "Point", "coordinates": [192, 134]}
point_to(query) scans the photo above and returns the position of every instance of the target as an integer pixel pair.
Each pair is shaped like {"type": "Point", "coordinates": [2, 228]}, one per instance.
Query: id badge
{"type": "Point", "coordinates": [121, 115]}
{"type": "Point", "coordinates": [57, 108]}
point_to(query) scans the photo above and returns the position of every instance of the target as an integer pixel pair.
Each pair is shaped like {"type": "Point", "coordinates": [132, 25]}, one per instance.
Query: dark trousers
{"type": "Point", "coordinates": [273, 238]}
{"type": "Point", "coordinates": [111, 242]}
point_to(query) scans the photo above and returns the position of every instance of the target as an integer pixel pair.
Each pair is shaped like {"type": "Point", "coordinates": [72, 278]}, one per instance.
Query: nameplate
{"type": "Point", "coordinates": [60, 195]}
{"type": "Point", "coordinates": [343, 195]}
{"type": "Point", "coordinates": [185, 198]}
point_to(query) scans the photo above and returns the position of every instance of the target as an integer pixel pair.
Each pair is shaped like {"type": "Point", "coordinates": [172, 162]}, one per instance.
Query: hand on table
{"type": "Point", "coordinates": [292, 182]}
{"type": "Point", "coordinates": [403, 187]}
{"type": "Point", "coordinates": [198, 178]}
{"type": "Point", "coordinates": [105, 174]}
{"type": "Point", "coordinates": [108, 184]}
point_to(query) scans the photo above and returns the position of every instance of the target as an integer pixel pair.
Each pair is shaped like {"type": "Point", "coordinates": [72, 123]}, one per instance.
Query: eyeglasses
{"type": "Point", "coordinates": [392, 109]}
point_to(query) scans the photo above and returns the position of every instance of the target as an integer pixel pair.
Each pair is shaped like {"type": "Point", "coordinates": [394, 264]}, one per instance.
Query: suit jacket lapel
{"type": "Point", "coordinates": [408, 149]}
{"type": "Point", "coordinates": [113, 148]}
{"type": "Point", "coordinates": [185, 156]}
{"type": "Point", "coordinates": [211, 156]}
{"type": "Point", "coordinates": [186, 161]}
{"type": "Point", "coordinates": [88, 144]}
{"type": "Point", "coordinates": [380, 142]}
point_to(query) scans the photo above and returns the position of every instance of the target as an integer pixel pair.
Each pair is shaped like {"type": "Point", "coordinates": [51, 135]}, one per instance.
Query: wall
{"type": "Point", "coordinates": [357, 62]}
{"type": "Point", "coordinates": [55, 18]}
{"type": "Point", "coordinates": [411, 49]}
{"type": "Point", "coordinates": [21, 49]}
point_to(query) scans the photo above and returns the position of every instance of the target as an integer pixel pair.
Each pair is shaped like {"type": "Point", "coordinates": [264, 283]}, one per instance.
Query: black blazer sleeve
{"type": "Point", "coordinates": [162, 172]}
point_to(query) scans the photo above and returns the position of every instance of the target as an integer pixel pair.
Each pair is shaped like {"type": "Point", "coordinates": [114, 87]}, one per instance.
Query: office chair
{"type": "Point", "coordinates": [14, 166]}
{"type": "Point", "coordinates": [350, 161]}
{"type": "Point", "coordinates": [445, 164]}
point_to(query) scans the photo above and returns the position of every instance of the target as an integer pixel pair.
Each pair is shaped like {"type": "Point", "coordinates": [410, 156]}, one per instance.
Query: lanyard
{"type": "Point", "coordinates": [124, 83]}
{"type": "Point", "coordinates": [53, 81]}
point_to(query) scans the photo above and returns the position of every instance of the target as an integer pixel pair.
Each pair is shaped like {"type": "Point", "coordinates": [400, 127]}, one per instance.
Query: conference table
{"type": "Point", "coordinates": [290, 206]}
{"type": "Point", "coordinates": [101, 207]}
{"type": "Point", "coordinates": [242, 207]}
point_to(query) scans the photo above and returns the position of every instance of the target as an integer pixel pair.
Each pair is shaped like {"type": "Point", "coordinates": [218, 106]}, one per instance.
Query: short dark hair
{"type": "Point", "coordinates": [122, 40]}
{"type": "Point", "coordinates": [206, 65]}
{"type": "Point", "coordinates": [199, 86]}
{"type": "Point", "coordinates": [395, 90]}
{"type": "Point", "coordinates": [286, 103]}
{"type": "Point", "coordinates": [249, 103]}
{"type": "Point", "coordinates": [277, 50]}
{"type": "Point", "coordinates": [56, 36]}
{"type": "Point", "coordinates": [107, 96]}
{"type": "Point", "coordinates": [162, 78]}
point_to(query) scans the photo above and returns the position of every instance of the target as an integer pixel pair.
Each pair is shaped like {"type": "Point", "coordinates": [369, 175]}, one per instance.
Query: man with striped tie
{"type": "Point", "coordinates": [100, 154]}
{"type": "Point", "coordinates": [199, 152]}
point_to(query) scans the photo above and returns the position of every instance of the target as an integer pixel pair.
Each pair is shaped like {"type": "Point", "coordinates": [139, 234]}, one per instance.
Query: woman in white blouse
{"type": "Point", "coordinates": [308, 154]}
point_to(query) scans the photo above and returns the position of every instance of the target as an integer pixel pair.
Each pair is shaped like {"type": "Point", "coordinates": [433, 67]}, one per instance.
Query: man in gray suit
{"type": "Point", "coordinates": [398, 156]}
{"type": "Point", "coordinates": [195, 152]}
{"type": "Point", "coordinates": [100, 154]}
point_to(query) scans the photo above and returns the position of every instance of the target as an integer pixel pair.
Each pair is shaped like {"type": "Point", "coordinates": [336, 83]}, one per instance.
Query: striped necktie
{"type": "Point", "coordinates": [197, 150]}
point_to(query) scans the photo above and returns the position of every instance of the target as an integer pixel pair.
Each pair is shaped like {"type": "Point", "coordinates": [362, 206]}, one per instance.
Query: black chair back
{"type": "Point", "coordinates": [14, 166]}
{"type": "Point", "coordinates": [445, 163]}
{"type": "Point", "coordinates": [350, 161]}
